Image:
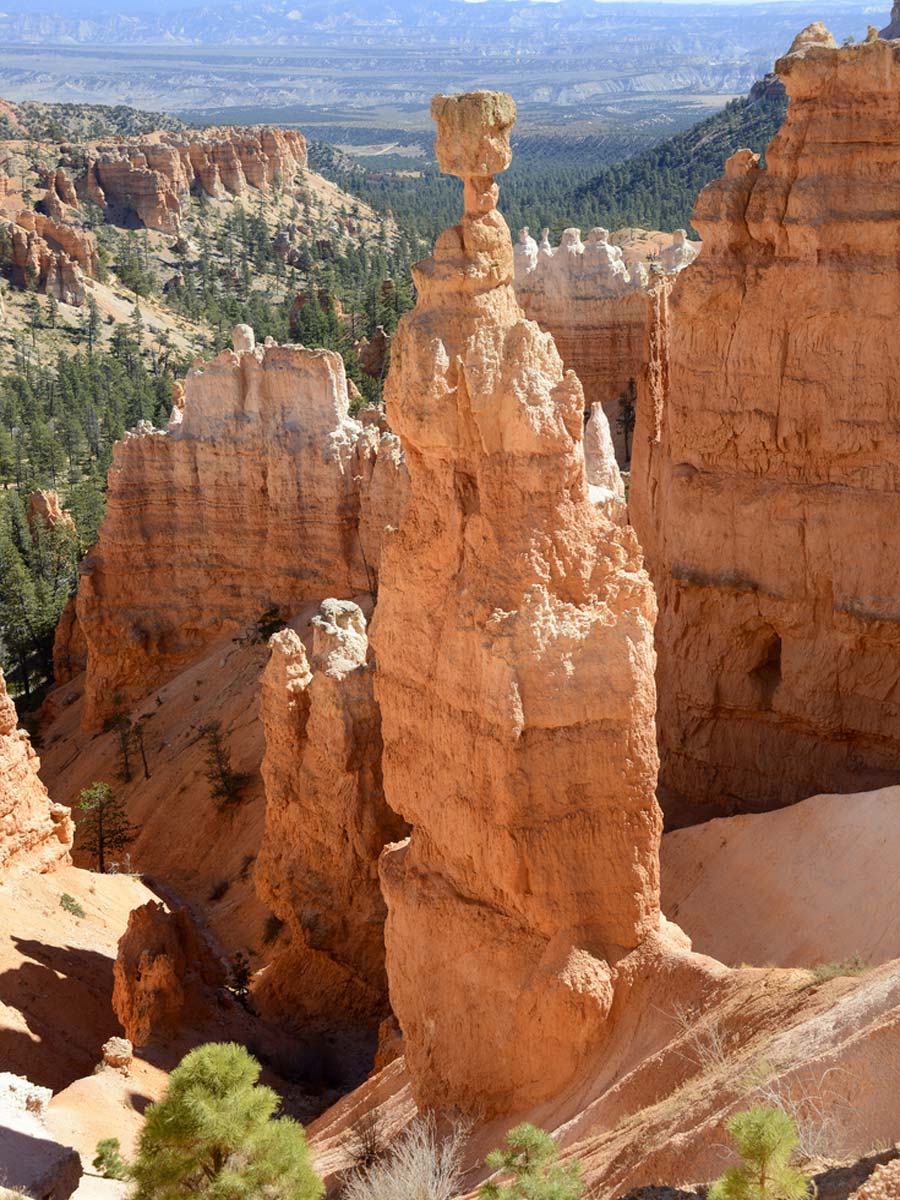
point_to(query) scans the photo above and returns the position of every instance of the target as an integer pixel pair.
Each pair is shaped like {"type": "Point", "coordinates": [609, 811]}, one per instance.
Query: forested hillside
{"type": "Point", "coordinates": [56, 122]}
{"type": "Point", "coordinates": [655, 189]}
{"type": "Point", "coordinates": [301, 261]}
{"type": "Point", "coordinates": [311, 263]}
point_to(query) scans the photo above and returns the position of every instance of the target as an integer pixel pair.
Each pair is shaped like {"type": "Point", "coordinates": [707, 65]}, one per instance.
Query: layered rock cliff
{"type": "Point", "coordinates": [150, 179]}
{"type": "Point", "coordinates": [326, 821]}
{"type": "Point", "coordinates": [513, 636]}
{"type": "Point", "coordinates": [34, 832]}
{"type": "Point", "coordinates": [604, 307]}
{"type": "Point", "coordinates": [764, 484]}
{"type": "Point", "coordinates": [52, 256]}
{"type": "Point", "coordinates": [251, 502]}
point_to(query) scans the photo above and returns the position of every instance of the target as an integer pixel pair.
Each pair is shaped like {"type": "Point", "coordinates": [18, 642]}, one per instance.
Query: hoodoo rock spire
{"type": "Point", "coordinates": [513, 636]}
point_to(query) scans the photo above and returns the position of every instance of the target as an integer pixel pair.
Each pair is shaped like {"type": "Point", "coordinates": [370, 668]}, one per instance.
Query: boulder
{"type": "Point", "coordinates": [165, 977]}
{"type": "Point", "coordinates": [32, 1162]}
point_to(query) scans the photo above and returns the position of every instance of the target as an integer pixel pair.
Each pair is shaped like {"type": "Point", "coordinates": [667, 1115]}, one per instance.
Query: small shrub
{"type": "Point", "coordinates": [262, 628]}
{"type": "Point", "coordinates": [239, 976]}
{"type": "Point", "coordinates": [366, 1144]}
{"type": "Point", "coordinates": [419, 1165]}
{"type": "Point", "coordinates": [215, 1133]}
{"type": "Point", "coordinates": [705, 1041]}
{"type": "Point", "coordinates": [120, 723]}
{"type": "Point", "coordinates": [531, 1157]}
{"type": "Point", "coordinates": [766, 1139]}
{"type": "Point", "coordinates": [104, 827]}
{"type": "Point", "coordinates": [108, 1160]}
{"type": "Point", "coordinates": [823, 972]}
{"type": "Point", "coordinates": [71, 905]}
{"type": "Point", "coordinates": [226, 786]}
{"type": "Point", "coordinates": [819, 1108]}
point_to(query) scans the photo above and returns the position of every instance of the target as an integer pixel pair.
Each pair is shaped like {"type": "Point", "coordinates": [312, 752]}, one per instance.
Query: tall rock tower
{"type": "Point", "coordinates": [765, 482]}
{"type": "Point", "coordinates": [514, 640]}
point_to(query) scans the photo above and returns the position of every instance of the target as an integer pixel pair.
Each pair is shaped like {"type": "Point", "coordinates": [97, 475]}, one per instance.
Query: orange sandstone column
{"type": "Point", "coordinates": [514, 640]}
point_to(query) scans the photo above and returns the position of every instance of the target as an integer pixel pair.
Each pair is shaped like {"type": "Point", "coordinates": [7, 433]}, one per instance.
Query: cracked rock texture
{"type": "Point", "coordinates": [765, 476]}
{"type": "Point", "coordinates": [150, 179]}
{"type": "Point", "coordinates": [326, 821]}
{"type": "Point", "coordinates": [513, 636]}
{"type": "Point", "coordinates": [165, 975]}
{"type": "Point", "coordinates": [256, 498]}
{"type": "Point", "coordinates": [35, 833]}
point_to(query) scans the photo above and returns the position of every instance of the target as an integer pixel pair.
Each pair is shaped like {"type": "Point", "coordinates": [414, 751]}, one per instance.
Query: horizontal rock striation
{"type": "Point", "coordinates": [513, 635]}
{"type": "Point", "coordinates": [35, 833]}
{"type": "Point", "coordinates": [765, 478]}
{"type": "Point", "coordinates": [254, 499]}
{"type": "Point", "coordinates": [149, 179]}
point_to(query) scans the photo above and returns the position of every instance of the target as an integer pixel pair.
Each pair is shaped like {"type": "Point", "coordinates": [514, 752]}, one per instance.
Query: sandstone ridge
{"type": "Point", "coordinates": [52, 255]}
{"type": "Point", "coordinates": [35, 833]}
{"type": "Point", "coordinates": [605, 302]}
{"type": "Point", "coordinates": [326, 822]}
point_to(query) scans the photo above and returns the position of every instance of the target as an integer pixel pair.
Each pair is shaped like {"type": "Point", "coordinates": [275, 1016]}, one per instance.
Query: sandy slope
{"type": "Point", "coordinates": [56, 970]}
{"type": "Point", "coordinates": [814, 883]}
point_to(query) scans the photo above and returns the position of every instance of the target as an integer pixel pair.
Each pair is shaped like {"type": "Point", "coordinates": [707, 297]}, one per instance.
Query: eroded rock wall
{"type": "Point", "coordinates": [35, 833]}
{"type": "Point", "coordinates": [604, 305]}
{"type": "Point", "coordinates": [166, 976]}
{"type": "Point", "coordinates": [764, 484]}
{"type": "Point", "coordinates": [249, 501]}
{"type": "Point", "coordinates": [513, 636]}
{"type": "Point", "coordinates": [150, 179]}
{"type": "Point", "coordinates": [52, 256]}
{"type": "Point", "coordinates": [326, 822]}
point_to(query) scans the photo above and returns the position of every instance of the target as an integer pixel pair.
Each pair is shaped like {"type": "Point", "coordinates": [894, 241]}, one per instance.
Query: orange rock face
{"type": "Point", "coordinates": [250, 501]}
{"type": "Point", "coordinates": [605, 340]}
{"type": "Point", "coordinates": [764, 485]}
{"type": "Point", "coordinates": [69, 646]}
{"type": "Point", "coordinates": [605, 302]}
{"type": "Point", "coordinates": [52, 255]}
{"type": "Point", "coordinates": [513, 636]}
{"type": "Point", "coordinates": [34, 833]}
{"type": "Point", "coordinates": [150, 179]}
{"type": "Point", "coordinates": [372, 355]}
{"type": "Point", "coordinates": [61, 196]}
{"type": "Point", "coordinates": [165, 975]}
{"type": "Point", "coordinates": [326, 821]}
{"type": "Point", "coordinates": [43, 508]}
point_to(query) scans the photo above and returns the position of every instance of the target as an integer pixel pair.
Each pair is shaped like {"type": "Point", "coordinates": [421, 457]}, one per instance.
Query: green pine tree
{"type": "Point", "coordinates": [766, 1139]}
{"type": "Point", "coordinates": [215, 1133]}
{"type": "Point", "coordinates": [531, 1157]}
{"type": "Point", "coordinates": [108, 1160]}
{"type": "Point", "coordinates": [104, 828]}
